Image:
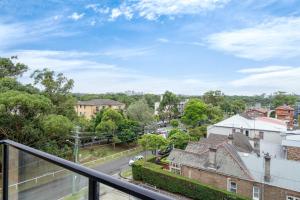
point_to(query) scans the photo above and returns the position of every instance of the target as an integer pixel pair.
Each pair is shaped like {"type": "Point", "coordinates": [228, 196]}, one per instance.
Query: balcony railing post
{"type": "Point", "coordinates": [93, 190]}
{"type": "Point", "coordinates": [5, 168]}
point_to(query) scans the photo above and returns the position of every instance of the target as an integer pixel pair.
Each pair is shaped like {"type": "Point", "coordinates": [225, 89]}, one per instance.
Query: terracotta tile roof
{"type": "Point", "coordinates": [284, 107]}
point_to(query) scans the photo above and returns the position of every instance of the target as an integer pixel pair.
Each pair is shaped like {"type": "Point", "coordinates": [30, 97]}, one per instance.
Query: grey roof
{"type": "Point", "coordinates": [284, 173]}
{"type": "Point", "coordinates": [240, 141]}
{"type": "Point", "coordinates": [227, 160]}
{"type": "Point", "coordinates": [100, 102]}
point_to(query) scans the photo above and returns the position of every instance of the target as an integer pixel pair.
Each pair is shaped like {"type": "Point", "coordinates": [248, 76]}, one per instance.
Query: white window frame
{"type": "Point", "coordinates": [255, 194]}
{"type": "Point", "coordinates": [175, 168]}
{"type": "Point", "coordinates": [229, 188]}
{"type": "Point", "coordinates": [288, 197]}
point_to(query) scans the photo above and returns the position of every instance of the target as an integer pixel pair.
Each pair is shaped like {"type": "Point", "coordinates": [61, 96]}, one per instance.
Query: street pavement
{"type": "Point", "coordinates": [62, 187]}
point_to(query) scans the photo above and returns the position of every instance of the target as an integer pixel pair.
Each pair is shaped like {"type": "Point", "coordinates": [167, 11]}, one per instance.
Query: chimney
{"type": "Point", "coordinates": [230, 139]}
{"type": "Point", "coordinates": [267, 176]}
{"type": "Point", "coordinates": [212, 155]}
{"type": "Point", "coordinates": [256, 145]}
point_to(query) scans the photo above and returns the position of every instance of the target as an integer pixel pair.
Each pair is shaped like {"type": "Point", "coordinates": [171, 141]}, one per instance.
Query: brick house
{"type": "Point", "coordinates": [221, 164]}
{"type": "Point", "coordinates": [286, 113]}
{"type": "Point", "coordinates": [88, 109]}
{"type": "Point", "coordinates": [257, 112]}
{"type": "Point", "coordinates": [291, 147]}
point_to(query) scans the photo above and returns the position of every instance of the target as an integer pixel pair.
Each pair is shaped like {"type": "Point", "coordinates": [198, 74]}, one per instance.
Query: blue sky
{"type": "Point", "coordinates": [186, 46]}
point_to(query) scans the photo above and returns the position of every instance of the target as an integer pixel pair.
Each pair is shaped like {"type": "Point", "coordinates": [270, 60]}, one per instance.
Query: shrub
{"type": "Point", "coordinates": [155, 175]}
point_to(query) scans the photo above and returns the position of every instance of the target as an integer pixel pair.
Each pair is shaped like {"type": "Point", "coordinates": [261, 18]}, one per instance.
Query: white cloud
{"type": "Point", "coordinates": [275, 38]}
{"type": "Point", "coordinates": [13, 34]}
{"type": "Point", "coordinates": [98, 9]}
{"type": "Point", "coordinates": [265, 69]}
{"type": "Point", "coordinates": [270, 79]}
{"type": "Point", "coordinates": [163, 40]}
{"type": "Point", "coordinates": [153, 9]}
{"type": "Point", "coordinates": [97, 77]}
{"type": "Point", "coordinates": [76, 16]}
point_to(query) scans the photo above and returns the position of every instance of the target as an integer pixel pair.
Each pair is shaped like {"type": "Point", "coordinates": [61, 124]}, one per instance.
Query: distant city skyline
{"type": "Point", "coordinates": [184, 46]}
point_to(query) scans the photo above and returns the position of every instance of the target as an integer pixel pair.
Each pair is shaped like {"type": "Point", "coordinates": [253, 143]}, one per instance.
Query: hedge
{"type": "Point", "coordinates": [154, 175]}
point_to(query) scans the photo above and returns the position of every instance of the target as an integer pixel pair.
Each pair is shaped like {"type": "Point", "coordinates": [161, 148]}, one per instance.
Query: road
{"type": "Point", "coordinates": [62, 187]}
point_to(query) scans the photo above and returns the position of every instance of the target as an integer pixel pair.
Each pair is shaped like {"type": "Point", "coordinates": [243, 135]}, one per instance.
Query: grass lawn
{"type": "Point", "coordinates": [95, 152]}
{"type": "Point", "coordinates": [127, 173]}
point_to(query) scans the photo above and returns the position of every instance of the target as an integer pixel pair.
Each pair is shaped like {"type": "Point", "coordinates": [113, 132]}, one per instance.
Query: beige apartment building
{"type": "Point", "coordinates": [88, 109]}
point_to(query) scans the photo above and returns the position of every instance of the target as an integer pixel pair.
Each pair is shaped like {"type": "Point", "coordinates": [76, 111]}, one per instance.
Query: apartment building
{"type": "Point", "coordinates": [88, 109]}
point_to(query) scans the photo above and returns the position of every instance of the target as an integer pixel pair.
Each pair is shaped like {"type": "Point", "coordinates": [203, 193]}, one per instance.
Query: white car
{"type": "Point", "coordinates": [139, 157]}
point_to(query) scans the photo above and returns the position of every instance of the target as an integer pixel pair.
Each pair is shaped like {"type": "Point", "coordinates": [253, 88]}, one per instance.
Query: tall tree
{"type": "Point", "coordinates": [280, 98]}
{"type": "Point", "coordinates": [214, 98]}
{"type": "Point", "coordinates": [10, 69]}
{"type": "Point", "coordinates": [140, 111]}
{"type": "Point", "coordinates": [169, 105]}
{"type": "Point", "coordinates": [58, 88]}
{"type": "Point", "coordinates": [195, 113]}
{"type": "Point", "coordinates": [179, 139]}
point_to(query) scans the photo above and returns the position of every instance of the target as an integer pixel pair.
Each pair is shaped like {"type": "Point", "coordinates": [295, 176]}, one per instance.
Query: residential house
{"type": "Point", "coordinates": [88, 109]}
{"type": "Point", "coordinates": [257, 112]}
{"type": "Point", "coordinates": [267, 129]}
{"type": "Point", "coordinates": [218, 162]}
{"type": "Point", "coordinates": [286, 114]}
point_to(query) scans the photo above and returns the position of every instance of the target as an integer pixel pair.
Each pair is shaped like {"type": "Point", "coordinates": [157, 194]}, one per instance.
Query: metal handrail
{"type": "Point", "coordinates": [94, 176]}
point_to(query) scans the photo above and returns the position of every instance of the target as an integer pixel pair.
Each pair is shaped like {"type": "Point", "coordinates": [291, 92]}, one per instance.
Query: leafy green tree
{"type": "Point", "coordinates": [169, 105]}
{"type": "Point", "coordinates": [113, 115]}
{"type": "Point", "coordinates": [174, 123]}
{"type": "Point", "coordinates": [58, 88]}
{"type": "Point", "coordinates": [179, 139]}
{"type": "Point", "coordinates": [57, 126]}
{"type": "Point", "coordinates": [10, 69]}
{"type": "Point", "coordinates": [214, 98]}
{"type": "Point", "coordinates": [140, 111]}
{"type": "Point", "coordinates": [197, 133]}
{"type": "Point", "coordinates": [24, 104]}
{"type": "Point", "coordinates": [195, 113]}
{"type": "Point", "coordinates": [214, 114]}
{"type": "Point", "coordinates": [107, 129]}
{"type": "Point", "coordinates": [153, 142]}
{"type": "Point", "coordinates": [128, 130]}
{"type": "Point", "coordinates": [299, 120]}
{"type": "Point", "coordinates": [280, 98]}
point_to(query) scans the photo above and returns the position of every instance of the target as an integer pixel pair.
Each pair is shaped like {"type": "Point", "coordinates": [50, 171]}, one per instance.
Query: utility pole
{"type": "Point", "coordinates": [75, 154]}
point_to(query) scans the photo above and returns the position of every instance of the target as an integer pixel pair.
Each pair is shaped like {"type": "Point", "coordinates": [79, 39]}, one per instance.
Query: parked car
{"type": "Point", "coordinates": [135, 158]}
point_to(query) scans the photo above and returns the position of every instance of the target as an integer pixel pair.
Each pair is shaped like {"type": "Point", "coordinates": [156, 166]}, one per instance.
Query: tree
{"type": "Point", "coordinates": [214, 98]}
{"type": "Point", "coordinates": [214, 114]}
{"type": "Point", "coordinates": [169, 105]}
{"type": "Point", "coordinates": [107, 129]}
{"type": "Point", "coordinates": [57, 126]}
{"type": "Point", "coordinates": [140, 111]}
{"type": "Point", "coordinates": [128, 130]}
{"type": "Point", "coordinates": [153, 142]}
{"type": "Point", "coordinates": [179, 139]}
{"type": "Point", "coordinates": [174, 123]}
{"type": "Point", "coordinates": [58, 88]}
{"type": "Point", "coordinates": [197, 133]}
{"type": "Point", "coordinates": [195, 113]}
{"type": "Point", "coordinates": [10, 69]}
{"type": "Point", "coordinates": [299, 120]}
{"type": "Point", "coordinates": [280, 98]}
{"type": "Point", "coordinates": [113, 115]}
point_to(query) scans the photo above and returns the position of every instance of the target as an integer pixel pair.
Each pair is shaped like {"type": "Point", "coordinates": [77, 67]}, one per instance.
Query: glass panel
{"type": "Point", "coordinates": [109, 193]}
{"type": "Point", "coordinates": [33, 178]}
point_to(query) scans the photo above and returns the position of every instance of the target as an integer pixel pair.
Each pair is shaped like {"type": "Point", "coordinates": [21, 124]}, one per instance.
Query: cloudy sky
{"type": "Point", "coordinates": [186, 46]}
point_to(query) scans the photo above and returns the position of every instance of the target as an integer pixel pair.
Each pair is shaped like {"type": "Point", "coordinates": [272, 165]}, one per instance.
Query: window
{"type": "Point", "coordinates": [232, 186]}
{"type": "Point", "coordinates": [175, 168]}
{"type": "Point", "coordinates": [247, 133]}
{"type": "Point", "coordinates": [255, 193]}
{"type": "Point", "coordinates": [292, 198]}
{"type": "Point", "coordinates": [79, 106]}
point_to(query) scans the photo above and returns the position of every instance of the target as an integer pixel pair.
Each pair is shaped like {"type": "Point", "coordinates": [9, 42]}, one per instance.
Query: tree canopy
{"type": "Point", "coordinates": [139, 111]}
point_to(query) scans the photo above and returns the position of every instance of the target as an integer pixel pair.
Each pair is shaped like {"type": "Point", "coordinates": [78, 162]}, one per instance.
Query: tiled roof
{"type": "Point", "coordinates": [284, 107]}
{"type": "Point", "coordinates": [100, 102]}
{"type": "Point", "coordinates": [196, 155]}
